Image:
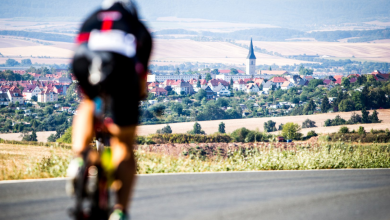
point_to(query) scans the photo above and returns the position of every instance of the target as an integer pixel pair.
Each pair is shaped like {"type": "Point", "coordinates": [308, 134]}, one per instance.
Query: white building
{"type": "Point", "coordinates": [185, 77]}
{"type": "Point", "coordinates": [251, 87]}
{"type": "Point", "coordinates": [30, 91]}
{"type": "Point", "coordinates": [235, 77]}
{"type": "Point", "coordinates": [251, 61]}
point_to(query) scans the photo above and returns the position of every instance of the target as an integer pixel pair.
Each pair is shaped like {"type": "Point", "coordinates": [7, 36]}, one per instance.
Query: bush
{"type": "Point", "coordinates": [311, 134]}
{"type": "Point", "coordinates": [183, 138]}
{"type": "Point", "coordinates": [308, 124]}
{"type": "Point", "coordinates": [291, 131]}
{"type": "Point", "coordinates": [66, 137]}
{"type": "Point", "coordinates": [269, 126]}
{"type": "Point", "coordinates": [197, 129]}
{"type": "Point", "coordinates": [165, 130]}
{"type": "Point", "coordinates": [344, 130]}
{"type": "Point", "coordinates": [240, 134]}
{"type": "Point", "coordinates": [361, 131]}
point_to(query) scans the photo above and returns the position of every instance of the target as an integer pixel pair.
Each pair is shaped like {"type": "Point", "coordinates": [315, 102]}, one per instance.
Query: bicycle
{"type": "Point", "coordinates": [91, 185]}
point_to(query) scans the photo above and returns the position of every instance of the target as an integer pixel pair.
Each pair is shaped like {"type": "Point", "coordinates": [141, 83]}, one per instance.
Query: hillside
{"type": "Point", "coordinates": [257, 123]}
{"type": "Point", "coordinates": [298, 13]}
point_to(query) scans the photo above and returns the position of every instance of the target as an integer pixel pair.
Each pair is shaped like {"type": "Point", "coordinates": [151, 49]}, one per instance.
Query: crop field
{"type": "Point", "coordinates": [41, 136]}
{"type": "Point", "coordinates": [183, 50]}
{"type": "Point", "coordinates": [211, 127]}
{"type": "Point", "coordinates": [379, 52]}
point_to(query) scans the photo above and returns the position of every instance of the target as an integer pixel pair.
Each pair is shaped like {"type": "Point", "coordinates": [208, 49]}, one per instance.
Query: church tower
{"type": "Point", "coordinates": [251, 61]}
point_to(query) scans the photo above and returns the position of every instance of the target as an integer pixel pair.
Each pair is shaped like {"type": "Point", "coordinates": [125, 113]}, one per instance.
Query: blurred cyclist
{"type": "Point", "coordinates": [114, 43]}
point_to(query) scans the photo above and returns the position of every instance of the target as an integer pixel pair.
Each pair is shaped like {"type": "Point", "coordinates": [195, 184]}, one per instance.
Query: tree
{"type": "Point", "coordinates": [344, 130]}
{"type": "Point", "coordinates": [11, 62]}
{"type": "Point", "coordinates": [33, 136]}
{"type": "Point", "coordinates": [198, 84]}
{"type": "Point", "coordinates": [374, 117]}
{"type": "Point", "coordinates": [240, 134]}
{"type": "Point", "coordinates": [291, 131]}
{"type": "Point", "coordinates": [270, 69]}
{"type": "Point", "coordinates": [233, 71]}
{"type": "Point", "coordinates": [215, 71]}
{"type": "Point", "coordinates": [345, 82]}
{"type": "Point", "coordinates": [26, 62]}
{"type": "Point", "coordinates": [269, 126]}
{"type": "Point", "coordinates": [231, 83]}
{"type": "Point", "coordinates": [51, 138]}
{"type": "Point", "coordinates": [197, 129]}
{"type": "Point", "coordinates": [165, 130]}
{"type": "Point", "coordinates": [315, 82]}
{"type": "Point", "coordinates": [221, 128]}
{"type": "Point", "coordinates": [311, 134]}
{"type": "Point", "coordinates": [325, 106]}
{"type": "Point", "coordinates": [308, 124]}
{"type": "Point", "coordinates": [66, 137]}
{"type": "Point", "coordinates": [310, 107]}
{"type": "Point", "coordinates": [201, 94]}
{"type": "Point", "coordinates": [177, 71]}
{"type": "Point", "coordinates": [178, 108]}
{"type": "Point", "coordinates": [361, 130]}
{"type": "Point", "coordinates": [346, 105]}
{"type": "Point", "coordinates": [208, 77]}
{"type": "Point", "coordinates": [48, 110]}
{"type": "Point", "coordinates": [365, 116]}
{"type": "Point", "coordinates": [304, 71]}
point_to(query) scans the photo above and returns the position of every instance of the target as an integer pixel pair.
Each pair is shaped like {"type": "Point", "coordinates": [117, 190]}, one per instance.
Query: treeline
{"type": "Point", "coordinates": [39, 35]}
{"type": "Point", "coordinates": [283, 34]}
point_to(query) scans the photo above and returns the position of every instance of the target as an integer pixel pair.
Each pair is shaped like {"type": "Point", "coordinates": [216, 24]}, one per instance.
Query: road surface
{"type": "Point", "coordinates": [325, 194]}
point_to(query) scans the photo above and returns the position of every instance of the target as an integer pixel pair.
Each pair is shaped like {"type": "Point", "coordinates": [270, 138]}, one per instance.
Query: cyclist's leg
{"type": "Point", "coordinates": [123, 158]}
{"type": "Point", "coordinates": [82, 128]}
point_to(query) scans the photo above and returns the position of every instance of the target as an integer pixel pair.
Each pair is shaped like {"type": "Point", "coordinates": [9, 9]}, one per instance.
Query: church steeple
{"type": "Point", "coordinates": [251, 54]}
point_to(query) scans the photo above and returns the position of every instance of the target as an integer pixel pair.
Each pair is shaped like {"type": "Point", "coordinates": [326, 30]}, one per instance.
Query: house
{"type": "Point", "coordinates": [153, 85]}
{"type": "Point", "coordinates": [15, 95]}
{"type": "Point", "coordinates": [221, 90]}
{"type": "Point", "coordinates": [239, 85]}
{"type": "Point", "coordinates": [30, 91]}
{"type": "Point", "coordinates": [4, 100]}
{"type": "Point", "coordinates": [251, 87]}
{"type": "Point", "coordinates": [259, 82]}
{"type": "Point", "coordinates": [228, 71]}
{"type": "Point", "coordinates": [209, 92]}
{"type": "Point", "coordinates": [159, 91]}
{"type": "Point", "coordinates": [278, 81]}
{"type": "Point", "coordinates": [152, 102]}
{"type": "Point", "coordinates": [295, 79]}
{"type": "Point", "coordinates": [215, 82]}
{"type": "Point", "coordinates": [181, 86]}
{"type": "Point", "coordinates": [268, 86]}
{"type": "Point", "coordinates": [287, 85]}
{"type": "Point", "coordinates": [47, 95]}
{"type": "Point", "coordinates": [273, 72]}
{"type": "Point", "coordinates": [380, 76]}
{"type": "Point", "coordinates": [243, 107]}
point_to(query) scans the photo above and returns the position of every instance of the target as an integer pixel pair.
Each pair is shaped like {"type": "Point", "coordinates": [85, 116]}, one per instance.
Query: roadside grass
{"type": "Point", "coordinates": [33, 162]}
{"type": "Point", "coordinates": [326, 156]}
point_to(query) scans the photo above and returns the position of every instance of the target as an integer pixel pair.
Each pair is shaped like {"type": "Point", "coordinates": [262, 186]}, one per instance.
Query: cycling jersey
{"type": "Point", "coordinates": [120, 33]}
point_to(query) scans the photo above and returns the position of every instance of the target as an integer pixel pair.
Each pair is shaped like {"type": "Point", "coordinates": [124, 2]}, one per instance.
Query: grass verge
{"type": "Point", "coordinates": [30, 162]}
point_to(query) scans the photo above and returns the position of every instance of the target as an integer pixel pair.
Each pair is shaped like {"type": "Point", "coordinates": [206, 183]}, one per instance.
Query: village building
{"type": "Point", "coordinates": [278, 81]}
{"type": "Point", "coordinates": [287, 85]}
{"type": "Point", "coordinates": [251, 87]}
{"type": "Point", "coordinates": [159, 91]}
{"type": "Point", "coordinates": [251, 61]}
{"type": "Point", "coordinates": [15, 95]}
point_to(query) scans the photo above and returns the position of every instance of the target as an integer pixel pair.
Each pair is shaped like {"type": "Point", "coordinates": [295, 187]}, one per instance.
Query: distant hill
{"type": "Point", "coordinates": [299, 14]}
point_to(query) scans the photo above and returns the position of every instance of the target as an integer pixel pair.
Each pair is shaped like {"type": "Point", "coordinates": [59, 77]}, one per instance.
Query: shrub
{"type": "Point", "coordinates": [254, 136]}
{"type": "Point", "coordinates": [291, 131]}
{"type": "Point", "coordinates": [183, 138]}
{"type": "Point", "coordinates": [269, 126]}
{"type": "Point", "coordinates": [221, 128]}
{"type": "Point", "coordinates": [344, 130]}
{"type": "Point", "coordinates": [197, 129]}
{"type": "Point", "coordinates": [66, 137]}
{"type": "Point", "coordinates": [165, 130]}
{"type": "Point", "coordinates": [361, 130]}
{"type": "Point", "coordinates": [308, 124]}
{"type": "Point", "coordinates": [240, 134]}
{"type": "Point", "coordinates": [311, 134]}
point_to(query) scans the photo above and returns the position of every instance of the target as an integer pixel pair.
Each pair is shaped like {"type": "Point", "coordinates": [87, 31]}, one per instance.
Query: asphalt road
{"type": "Point", "coordinates": [326, 194]}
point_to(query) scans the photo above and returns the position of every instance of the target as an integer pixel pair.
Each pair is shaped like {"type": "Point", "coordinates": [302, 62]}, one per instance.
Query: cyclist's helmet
{"type": "Point", "coordinates": [110, 37]}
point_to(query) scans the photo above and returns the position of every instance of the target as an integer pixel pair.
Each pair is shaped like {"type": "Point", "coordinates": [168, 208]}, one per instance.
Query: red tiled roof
{"type": "Point", "coordinates": [278, 79]}
{"type": "Point", "coordinates": [338, 76]}
{"type": "Point", "coordinates": [158, 89]}
{"type": "Point", "coordinates": [215, 82]}
{"type": "Point", "coordinates": [338, 81]}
